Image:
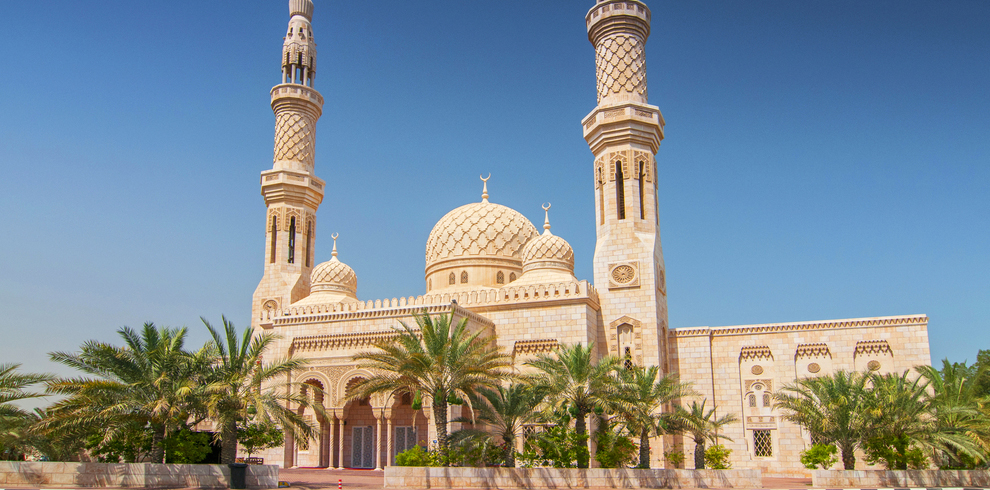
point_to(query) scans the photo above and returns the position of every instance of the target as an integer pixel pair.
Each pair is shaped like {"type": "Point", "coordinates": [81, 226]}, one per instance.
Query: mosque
{"type": "Point", "coordinates": [487, 263]}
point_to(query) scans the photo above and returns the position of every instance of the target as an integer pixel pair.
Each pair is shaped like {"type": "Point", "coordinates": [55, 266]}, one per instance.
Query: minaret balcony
{"type": "Point", "coordinates": [629, 122]}
{"type": "Point", "coordinates": [288, 91]}
{"type": "Point", "coordinates": [278, 186]}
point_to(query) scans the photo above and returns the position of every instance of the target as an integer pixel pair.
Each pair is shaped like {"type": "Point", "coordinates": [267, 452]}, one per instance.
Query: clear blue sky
{"type": "Point", "coordinates": [823, 159]}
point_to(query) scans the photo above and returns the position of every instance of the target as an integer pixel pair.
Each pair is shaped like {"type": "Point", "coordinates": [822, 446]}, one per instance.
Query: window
{"type": "Point", "coordinates": [429, 284]}
{"type": "Point", "coordinates": [762, 443]}
{"type": "Point", "coordinates": [309, 241]}
{"type": "Point", "coordinates": [512, 276]}
{"type": "Point", "coordinates": [627, 359]}
{"type": "Point", "coordinates": [500, 278]}
{"type": "Point", "coordinates": [766, 399]}
{"type": "Point", "coordinates": [452, 279]}
{"type": "Point", "coordinates": [274, 233]}
{"type": "Point", "coordinates": [405, 438]}
{"type": "Point", "coordinates": [620, 191]}
{"type": "Point", "coordinates": [752, 401]}
{"type": "Point", "coordinates": [601, 197]}
{"type": "Point", "coordinates": [463, 277]}
{"type": "Point", "coordinates": [642, 192]}
{"type": "Point", "coordinates": [292, 240]}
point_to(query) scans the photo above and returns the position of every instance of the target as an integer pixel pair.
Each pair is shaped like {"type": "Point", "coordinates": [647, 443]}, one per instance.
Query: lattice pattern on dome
{"type": "Point", "coordinates": [294, 138]}
{"type": "Point", "coordinates": [549, 247]}
{"type": "Point", "coordinates": [621, 66]}
{"type": "Point", "coordinates": [334, 273]}
{"type": "Point", "coordinates": [479, 229]}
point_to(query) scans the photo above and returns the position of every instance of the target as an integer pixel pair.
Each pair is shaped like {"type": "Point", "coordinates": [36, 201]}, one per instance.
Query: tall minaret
{"type": "Point", "coordinates": [624, 133]}
{"type": "Point", "coordinates": [291, 189]}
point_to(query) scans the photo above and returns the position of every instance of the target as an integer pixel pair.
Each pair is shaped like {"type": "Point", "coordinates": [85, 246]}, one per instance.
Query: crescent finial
{"type": "Point", "coordinates": [334, 253]}
{"type": "Point", "coordinates": [546, 217]}
{"type": "Point", "coordinates": [484, 191]}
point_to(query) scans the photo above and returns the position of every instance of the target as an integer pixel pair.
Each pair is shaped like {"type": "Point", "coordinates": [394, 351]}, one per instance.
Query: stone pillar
{"type": "Point", "coordinates": [331, 445]}
{"type": "Point", "coordinates": [289, 450]}
{"type": "Point", "coordinates": [592, 426]}
{"type": "Point", "coordinates": [340, 444]}
{"type": "Point", "coordinates": [389, 442]}
{"type": "Point", "coordinates": [378, 442]}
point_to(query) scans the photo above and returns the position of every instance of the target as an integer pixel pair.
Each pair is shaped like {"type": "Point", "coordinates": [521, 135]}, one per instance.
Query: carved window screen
{"type": "Point", "coordinates": [762, 443]}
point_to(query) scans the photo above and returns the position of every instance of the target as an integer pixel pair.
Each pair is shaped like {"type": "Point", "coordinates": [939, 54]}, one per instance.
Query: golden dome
{"type": "Point", "coordinates": [473, 237]}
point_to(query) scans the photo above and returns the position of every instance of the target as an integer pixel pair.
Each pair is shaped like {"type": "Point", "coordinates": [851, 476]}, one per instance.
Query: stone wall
{"type": "Point", "coordinates": [900, 479]}
{"type": "Point", "coordinates": [137, 475]}
{"type": "Point", "coordinates": [421, 477]}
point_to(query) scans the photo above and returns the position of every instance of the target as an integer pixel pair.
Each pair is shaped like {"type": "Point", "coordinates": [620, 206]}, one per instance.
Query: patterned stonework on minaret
{"type": "Point", "coordinates": [291, 189]}
{"type": "Point", "coordinates": [624, 133]}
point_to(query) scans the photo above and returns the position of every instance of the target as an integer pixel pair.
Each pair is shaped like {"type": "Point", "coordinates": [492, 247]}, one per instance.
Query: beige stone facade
{"type": "Point", "coordinates": [487, 263]}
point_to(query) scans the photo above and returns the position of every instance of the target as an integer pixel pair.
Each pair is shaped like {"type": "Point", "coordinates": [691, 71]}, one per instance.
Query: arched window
{"type": "Point", "coordinates": [452, 279]}
{"type": "Point", "coordinates": [642, 193]}
{"type": "Point", "coordinates": [274, 233]}
{"type": "Point", "coordinates": [463, 277]}
{"type": "Point", "coordinates": [512, 276]}
{"type": "Point", "coordinates": [601, 196]}
{"type": "Point", "coordinates": [766, 399]}
{"type": "Point", "coordinates": [752, 401]}
{"type": "Point", "coordinates": [309, 241]}
{"type": "Point", "coordinates": [500, 278]}
{"type": "Point", "coordinates": [292, 240]}
{"type": "Point", "coordinates": [620, 191]}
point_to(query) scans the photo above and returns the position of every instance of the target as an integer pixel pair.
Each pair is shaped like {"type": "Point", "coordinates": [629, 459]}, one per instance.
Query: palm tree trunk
{"type": "Point", "coordinates": [581, 428]}
{"type": "Point", "coordinates": [644, 448]}
{"type": "Point", "coordinates": [228, 443]}
{"type": "Point", "coordinates": [848, 456]}
{"type": "Point", "coordinates": [440, 420]}
{"type": "Point", "coordinates": [699, 455]}
{"type": "Point", "coordinates": [510, 452]}
{"type": "Point", "coordinates": [158, 444]}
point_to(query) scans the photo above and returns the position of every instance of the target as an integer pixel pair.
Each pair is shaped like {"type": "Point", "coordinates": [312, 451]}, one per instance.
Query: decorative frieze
{"type": "Point", "coordinates": [755, 353]}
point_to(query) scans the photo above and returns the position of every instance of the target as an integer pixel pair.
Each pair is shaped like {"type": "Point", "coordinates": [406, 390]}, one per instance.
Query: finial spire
{"type": "Point", "coordinates": [546, 217]}
{"type": "Point", "coordinates": [484, 191]}
{"type": "Point", "coordinates": [334, 253]}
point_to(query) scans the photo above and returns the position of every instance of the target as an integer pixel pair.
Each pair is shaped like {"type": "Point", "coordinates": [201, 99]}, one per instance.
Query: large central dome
{"type": "Point", "coordinates": [473, 244]}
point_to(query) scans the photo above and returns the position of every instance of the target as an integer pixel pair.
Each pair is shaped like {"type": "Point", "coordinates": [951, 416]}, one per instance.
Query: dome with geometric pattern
{"type": "Point", "coordinates": [331, 282]}
{"type": "Point", "coordinates": [480, 234]}
{"type": "Point", "coordinates": [547, 258]}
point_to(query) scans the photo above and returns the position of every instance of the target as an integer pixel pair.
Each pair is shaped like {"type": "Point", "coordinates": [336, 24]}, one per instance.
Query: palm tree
{"type": "Point", "coordinates": [703, 426]}
{"type": "Point", "coordinates": [572, 377]}
{"type": "Point", "coordinates": [830, 407]}
{"type": "Point", "coordinates": [440, 363]}
{"type": "Point", "coordinates": [149, 382]}
{"type": "Point", "coordinates": [954, 400]}
{"type": "Point", "coordinates": [506, 410]}
{"type": "Point", "coordinates": [15, 422]}
{"type": "Point", "coordinates": [642, 403]}
{"type": "Point", "coordinates": [901, 417]}
{"type": "Point", "coordinates": [239, 386]}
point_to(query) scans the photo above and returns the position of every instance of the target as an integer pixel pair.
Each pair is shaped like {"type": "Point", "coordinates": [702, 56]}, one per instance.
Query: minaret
{"type": "Point", "coordinates": [624, 133]}
{"type": "Point", "coordinates": [291, 189]}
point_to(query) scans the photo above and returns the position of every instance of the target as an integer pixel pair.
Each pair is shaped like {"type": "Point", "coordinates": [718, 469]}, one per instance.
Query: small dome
{"type": "Point", "coordinates": [333, 275]}
{"type": "Point", "coordinates": [548, 251]}
{"type": "Point", "coordinates": [331, 282]}
{"type": "Point", "coordinates": [547, 258]}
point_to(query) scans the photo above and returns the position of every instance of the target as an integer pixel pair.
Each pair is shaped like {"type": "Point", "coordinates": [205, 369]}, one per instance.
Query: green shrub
{"type": "Point", "coordinates": [674, 457]}
{"type": "Point", "coordinates": [187, 447]}
{"type": "Point", "coordinates": [819, 456]}
{"type": "Point", "coordinates": [895, 453]}
{"type": "Point", "coordinates": [414, 456]}
{"type": "Point", "coordinates": [615, 448]}
{"type": "Point", "coordinates": [717, 457]}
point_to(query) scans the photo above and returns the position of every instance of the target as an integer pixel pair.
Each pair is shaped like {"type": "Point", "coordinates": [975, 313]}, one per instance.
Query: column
{"type": "Point", "coordinates": [331, 445]}
{"type": "Point", "coordinates": [340, 444]}
{"type": "Point", "coordinates": [378, 443]}
{"type": "Point", "coordinates": [592, 426]}
{"type": "Point", "coordinates": [389, 442]}
{"type": "Point", "coordinates": [288, 450]}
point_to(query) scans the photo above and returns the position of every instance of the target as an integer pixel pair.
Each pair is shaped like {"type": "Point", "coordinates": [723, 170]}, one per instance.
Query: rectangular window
{"type": "Point", "coordinates": [405, 438]}
{"type": "Point", "coordinates": [762, 443]}
{"type": "Point", "coordinates": [292, 241]}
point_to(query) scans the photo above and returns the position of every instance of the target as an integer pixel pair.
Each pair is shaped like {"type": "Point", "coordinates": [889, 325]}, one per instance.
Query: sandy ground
{"type": "Point", "coordinates": [313, 478]}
